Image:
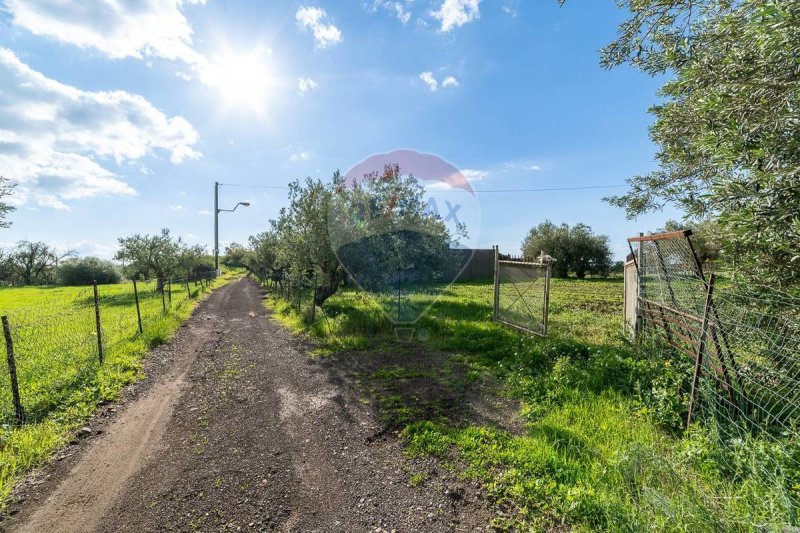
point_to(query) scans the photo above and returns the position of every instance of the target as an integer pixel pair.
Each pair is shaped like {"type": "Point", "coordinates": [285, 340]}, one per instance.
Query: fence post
{"type": "Point", "coordinates": [547, 276]}
{"type": "Point", "coordinates": [138, 312]}
{"type": "Point", "coordinates": [313, 298]}
{"type": "Point", "coordinates": [12, 371]}
{"type": "Point", "coordinates": [188, 290]}
{"type": "Point", "coordinates": [701, 346]}
{"type": "Point", "coordinates": [97, 322]}
{"type": "Point", "coordinates": [496, 304]}
{"type": "Point", "coordinates": [169, 290]}
{"type": "Point", "coordinates": [163, 298]}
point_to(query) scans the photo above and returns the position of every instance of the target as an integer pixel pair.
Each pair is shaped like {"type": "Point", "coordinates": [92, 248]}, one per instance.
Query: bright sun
{"type": "Point", "coordinates": [243, 79]}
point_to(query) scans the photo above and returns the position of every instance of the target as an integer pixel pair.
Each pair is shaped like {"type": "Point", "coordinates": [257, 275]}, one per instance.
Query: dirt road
{"type": "Point", "coordinates": [238, 429]}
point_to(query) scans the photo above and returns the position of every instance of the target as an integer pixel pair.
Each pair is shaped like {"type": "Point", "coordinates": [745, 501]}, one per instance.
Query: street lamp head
{"type": "Point", "coordinates": [246, 204]}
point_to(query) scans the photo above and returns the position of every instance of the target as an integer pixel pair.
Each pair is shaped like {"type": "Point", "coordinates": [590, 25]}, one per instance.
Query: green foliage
{"type": "Point", "coordinates": [576, 249]}
{"type": "Point", "coordinates": [303, 239]}
{"type": "Point", "coordinates": [382, 231]}
{"type": "Point", "coordinates": [378, 227]}
{"type": "Point", "coordinates": [192, 260]}
{"type": "Point", "coordinates": [706, 237]}
{"type": "Point", "coordinates": [235, 255]}
{"type": "Point", "coordinates": [727, 131]}
{"type": "Point", "coordinates": [6, 189]}
{"type": "Point", "coordinates": [85, 271]}
{"type": "Point", "coordinates": [262, 261]}
{"type": "Point", "coordinates": [32, 263]}
{"type": "Point", "coordinates": [160, 256]}
{"type": "Point", "coordinates": [149, 256]}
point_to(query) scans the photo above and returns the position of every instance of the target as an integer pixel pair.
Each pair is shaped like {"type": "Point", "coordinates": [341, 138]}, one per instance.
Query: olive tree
{"type": "Point", "coordinates": [383, 232]}
{"type": "Point", "coordinates": [370, 229]}
{"type": "Point", "coordinates": [148, 256]}
{"type": "Point", "coordinates": [727, 123]}
{"type": "Point", "coordinates": [576, 249]}
{"type": "Point", "coordinates": [303, 240]}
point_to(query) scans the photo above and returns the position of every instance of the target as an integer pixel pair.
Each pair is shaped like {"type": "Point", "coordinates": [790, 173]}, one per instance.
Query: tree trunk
{"type": "Point", "coordinates": [324, 292]}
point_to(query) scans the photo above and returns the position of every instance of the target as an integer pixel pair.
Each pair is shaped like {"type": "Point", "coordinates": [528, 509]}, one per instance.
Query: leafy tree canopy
{"type": "Point", "coordinates": [376, 227]}
{"type": "Point", "coordinates": [235, 254]}
{"type": "Point", "coordinates": [5, 190]}
{"type": "Point", "coordinates": [86, 270]}
{"type": "Point", "coordinates": [727, 125]}
{"type": "Point", "coordinates": [33, 263]}
{"type": "Point", "coordinates": [576, 249]}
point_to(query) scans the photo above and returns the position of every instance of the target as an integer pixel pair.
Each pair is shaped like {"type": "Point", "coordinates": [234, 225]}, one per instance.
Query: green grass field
{"type": "Point", "coordinates": [603, 445]}
{"type": "Point", "coordinates": [61, 380]}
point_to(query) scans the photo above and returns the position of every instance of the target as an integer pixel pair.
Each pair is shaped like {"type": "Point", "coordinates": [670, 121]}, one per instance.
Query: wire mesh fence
{"type": "Point", "coordinates": [55, 348]}
{"type": "Point", "coordinates": [522, 293]}
{"type": "Point", "coordinates": [744, 340]}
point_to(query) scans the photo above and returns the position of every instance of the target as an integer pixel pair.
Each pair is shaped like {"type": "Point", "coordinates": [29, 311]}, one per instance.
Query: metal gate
{"type": "Point", "coordinates": [522, 292]}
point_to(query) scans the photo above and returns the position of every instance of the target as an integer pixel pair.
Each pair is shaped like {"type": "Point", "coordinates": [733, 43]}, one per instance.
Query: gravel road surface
{"type": "Point", "coordinates": [236, 428]}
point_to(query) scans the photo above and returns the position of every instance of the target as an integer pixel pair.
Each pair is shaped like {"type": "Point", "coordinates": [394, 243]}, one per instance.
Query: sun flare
{"type": "Point", "coordinates": [244, 80]}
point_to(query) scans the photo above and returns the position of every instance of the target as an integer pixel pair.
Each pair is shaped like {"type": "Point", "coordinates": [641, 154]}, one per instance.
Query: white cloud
{"type": "Point", "coordinates": [306, 84]}
{"type": "Point", "coordinates": [399, 9]}
{"type": "Point", "coordinates": [455, 13]}
{"type": "Point", "coordinates": [450, 81]}
{"type": "Point", "coordinates": [86, 248]}
{"type": "Point", "coordinates": [300, 156]}
{"type": "Point", "coordinates": [535, 168]}
{"type": "Point", "coordinates": [141, 29]}
{"type": "Point", "coordinates": [510, 10]}
{"type": "Point", "coordinates": [473, 175]}
{"type": "Point", "coordinates": [429, 80]}
{"type": "Point", "coordinates": [176, 208]}
{"type": "Point", "coordinates": [120, 29]}
{"type": "Point", "coordinates": [314, 18]}
{"type": "Point", "coordinates": [204, 212]}
{"type": "Point", "coordinates": [54, 138]}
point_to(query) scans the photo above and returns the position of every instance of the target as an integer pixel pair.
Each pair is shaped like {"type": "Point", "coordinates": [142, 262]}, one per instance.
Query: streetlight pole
{"type": "Point", "coordinates": [217, 211]}
{"type": "Point", "coordinates": [216, 227]}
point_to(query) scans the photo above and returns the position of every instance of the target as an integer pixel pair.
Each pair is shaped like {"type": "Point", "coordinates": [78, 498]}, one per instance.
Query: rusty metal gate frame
{"type": "Point", "coordinates": [687, 332]}
{"type": "Point", "coordinates": [521, 294]}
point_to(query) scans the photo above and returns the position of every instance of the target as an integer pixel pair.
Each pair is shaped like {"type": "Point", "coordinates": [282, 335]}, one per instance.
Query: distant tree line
{"type": "Point", "coordinates": [577, 249]}
{"type": "Point", "coordinates": [142, 256]}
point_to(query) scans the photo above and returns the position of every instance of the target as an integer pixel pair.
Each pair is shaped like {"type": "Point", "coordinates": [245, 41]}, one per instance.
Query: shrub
{"type": "Point", "coordinates": [85, 270]}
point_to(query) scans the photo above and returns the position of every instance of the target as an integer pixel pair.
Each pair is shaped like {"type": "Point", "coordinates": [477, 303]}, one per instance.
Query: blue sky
{"type": "Point", "coordinates": [117, 117]}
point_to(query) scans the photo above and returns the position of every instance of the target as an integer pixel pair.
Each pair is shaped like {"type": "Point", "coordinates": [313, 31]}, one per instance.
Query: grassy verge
{"type": "Point", "coordinates": [61, 383]}
{"type": "Point", "coordinates": [602, 446]}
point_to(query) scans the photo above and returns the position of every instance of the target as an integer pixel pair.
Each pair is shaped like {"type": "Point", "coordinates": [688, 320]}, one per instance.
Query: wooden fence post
{"type": "Point", "coordinates": [97, 322]}
{"type": "Point", "coordinates": [169, 290]}
{"type": "Point", "coordinates": [138, 312]}
{"type": "Point", "coordinates": [163, 297]}
{"type": "Point", "coordinates": [12, 371]}
{"type": "Point", "coordinates": [701, 346]}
